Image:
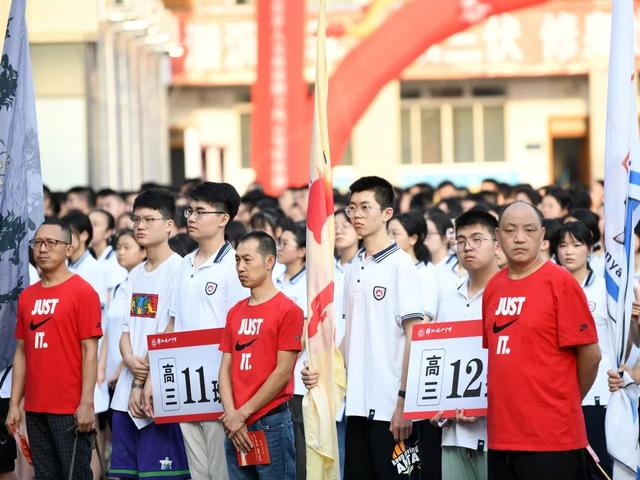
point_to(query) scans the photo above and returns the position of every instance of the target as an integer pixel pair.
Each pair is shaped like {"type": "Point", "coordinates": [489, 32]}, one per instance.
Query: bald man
{"type": "Point", "coordinates": [543, 358]}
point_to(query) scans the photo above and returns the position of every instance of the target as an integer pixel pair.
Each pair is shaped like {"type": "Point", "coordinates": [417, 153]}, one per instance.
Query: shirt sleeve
{"type": "Point", "coordinates": [290, 330]}
{"type": "Point", "coordinates": [409, 297]}
{"type": "Point", "coordinates": [126, 305]}
{"type": "Point", "coordinates": [90, 314]}
{"type": "Point", "coordinates": [574, 319]}
{"type": "Point", "coordinates": [225, 341]}
{"type": "Point", "coordinates": [485, 298]}
{"type": "Point", "coordinates": [171, 309]}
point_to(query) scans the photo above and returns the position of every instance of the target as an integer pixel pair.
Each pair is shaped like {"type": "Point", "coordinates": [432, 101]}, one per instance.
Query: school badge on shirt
{"type": "Point", "coordinates": [144, 305]}
{"type": "Point", "coordinates": [210, 288]}
{"type": "Point", "coordinates": [379, 292]}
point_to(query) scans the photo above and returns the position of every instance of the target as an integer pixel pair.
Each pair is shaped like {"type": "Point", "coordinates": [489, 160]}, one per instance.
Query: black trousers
{"type": "Point", "coordinates": [512, 465]}
{"type": "Point", "coordinates": [8, 451]}
{"type": "Point", "coordinates": [594, 420]}
{"type": "Point", "coordinates": [371, 453]}
{"type": "Point", "coordinates": [51, 438]}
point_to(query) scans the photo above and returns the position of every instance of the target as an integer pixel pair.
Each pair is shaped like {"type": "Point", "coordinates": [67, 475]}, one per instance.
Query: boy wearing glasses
{"type": "Point", "coordinates": [141, 448]}
{"type": "Point", "coordinates": [55, 364]}
{"type": "Point", "coordinates": [207, 286]}
{"type": "Point", "coordinates": [381, 304]}
{"type": "Point", "coordinates": [464, 439]}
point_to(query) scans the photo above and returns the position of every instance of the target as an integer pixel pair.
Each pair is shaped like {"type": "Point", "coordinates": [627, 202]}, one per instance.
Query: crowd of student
{"type": "Point", "coordinates": [211, 258]}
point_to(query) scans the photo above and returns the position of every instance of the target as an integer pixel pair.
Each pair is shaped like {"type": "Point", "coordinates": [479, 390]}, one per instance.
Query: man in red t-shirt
{"type": "Point", "coordinates": [543, 358]}
{"type": "Point", "coordinates": [260, 345]}
{"type": "Point", "coordinates": [55, 364]}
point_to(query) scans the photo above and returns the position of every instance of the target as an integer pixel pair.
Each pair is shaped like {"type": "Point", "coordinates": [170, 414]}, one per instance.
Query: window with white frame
{"type": "Point", "coordinates": [453, 129]}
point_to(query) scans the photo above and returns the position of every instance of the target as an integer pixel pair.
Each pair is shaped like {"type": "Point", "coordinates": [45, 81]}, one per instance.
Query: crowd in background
{"type": "Point", "coordinates": [105, 249]}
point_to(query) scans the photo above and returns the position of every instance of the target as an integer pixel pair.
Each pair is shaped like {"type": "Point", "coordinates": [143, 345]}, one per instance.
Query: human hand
{"type": "Point", "coordinates": [138, 366]}
{"type": "Point", "coordinates": [462, 418]}
{"type": "Point", "coordinates": [399, 427]}
{"type": "Point", "coordinates": [14, 416]}
{"type": "Point", "coordinates": [135, 403]}
{"type": "Point", "coordinates": [241, 440]}
{"type": "Point", "coordinates": [615, 380]}
{"type": "Point", "coordinates": [310, 377]}
{"type": "Point", "coordinates": [233, 421]}
{"type": "Point", "coordinates": [85, 417]}
{"type": "Point", "coordinates": [147, 398]}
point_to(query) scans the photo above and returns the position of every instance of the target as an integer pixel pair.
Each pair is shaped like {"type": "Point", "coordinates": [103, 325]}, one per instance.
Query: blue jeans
{"type": "Point", "coordinates": [278, 429]}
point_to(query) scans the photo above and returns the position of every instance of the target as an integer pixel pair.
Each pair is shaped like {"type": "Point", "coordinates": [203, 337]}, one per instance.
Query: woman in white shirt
{"type": "Point", "coordinates": [129, 254]}
{"type": "Point", "coordinates": [438, 241]}
{"type": "Point", "coordinates": [409, 231]}
{"type": "Point", "coordinates": [572, 244]}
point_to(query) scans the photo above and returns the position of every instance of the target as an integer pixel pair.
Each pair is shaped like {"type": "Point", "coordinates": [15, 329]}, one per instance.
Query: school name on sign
{"type": "Point", "coordinates": [447, 370]}
{"type": "Point", "coordinates": [184, 373]}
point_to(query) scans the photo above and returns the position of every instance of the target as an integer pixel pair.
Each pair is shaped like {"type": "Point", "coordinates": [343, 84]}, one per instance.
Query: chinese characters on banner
{"type": "Point", "coordinates": [184, 371]}
{"type": "Point", "coordinates": [447, 370]}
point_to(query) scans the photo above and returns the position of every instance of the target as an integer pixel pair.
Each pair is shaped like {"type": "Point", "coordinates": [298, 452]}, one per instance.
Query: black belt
{"type": "Point", "coordinates": [279, 409]}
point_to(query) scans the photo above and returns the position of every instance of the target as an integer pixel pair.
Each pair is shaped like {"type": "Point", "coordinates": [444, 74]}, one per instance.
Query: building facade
{"type": "Point", "coordinates": [520, 97]}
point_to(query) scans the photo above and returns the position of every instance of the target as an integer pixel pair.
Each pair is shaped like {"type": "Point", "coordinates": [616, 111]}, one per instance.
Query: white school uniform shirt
{"type": "Point", "coordinates": [114, 274]}
{"type": "Point", "coordinates": [447, 273]}
{"type": "Point", "coordinates": [597, 264]}
{"type": "Point", "coordinates": [278, 270]}
{"type": "Point", "coordinates": [339, 274]}
{"type": "Point", "coordinates": [90, 271]}
{"type": "Point", "coordinates": [113, 319]}
{"type": "Point", "coordinates": [595, 290]}
{"type": "Point", "coordinates": [203, 296]}
{"type": "Point", "coordinates": [382, 291]}
{"type": "Point", "coordinates": [455, 305]}
{"type": "Point", "coordinates": [146, 311]}
{"type": "Point", "coordinates": [296, 289]}
{"type": "Point", "coordinates": [428, 287]}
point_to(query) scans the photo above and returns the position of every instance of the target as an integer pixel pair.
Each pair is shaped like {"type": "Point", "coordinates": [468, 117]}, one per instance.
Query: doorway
{"type": "Point", "coordinates": [569, 151]}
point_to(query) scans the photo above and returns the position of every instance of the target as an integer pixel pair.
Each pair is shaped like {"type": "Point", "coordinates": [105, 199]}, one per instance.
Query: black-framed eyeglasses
{"type": "Point", "coordinates": [473, 242]}
{"type": "Point", "coordinates": [50, 243]}
{"type": "Point", "coordinates": [189, 212]}
{"type": "Point", "coordinates": [145, 220]}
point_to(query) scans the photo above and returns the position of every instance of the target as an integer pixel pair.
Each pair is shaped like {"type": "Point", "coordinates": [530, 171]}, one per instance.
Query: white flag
{"type": "Point", "coordinates": [622, 199]}
{"type": "Point", "coordinates": [20, 182]}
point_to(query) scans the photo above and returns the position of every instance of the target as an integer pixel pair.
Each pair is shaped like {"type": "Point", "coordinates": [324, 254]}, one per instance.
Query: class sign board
{"type": "Point", "coordinates": [447, 370]}
{"type": "Point", "coordinates": [184, 373]}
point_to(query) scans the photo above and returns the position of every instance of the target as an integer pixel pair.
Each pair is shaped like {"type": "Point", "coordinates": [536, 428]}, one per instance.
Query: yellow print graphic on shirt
{"type": "Point", "coordinates": [144, 305]}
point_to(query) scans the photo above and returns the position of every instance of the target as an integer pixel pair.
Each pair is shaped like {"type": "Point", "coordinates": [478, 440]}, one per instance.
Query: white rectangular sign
{"type": "Point", "coordinates": [447, 370]}
{"type": "Point", "coordinates": [184, 371]}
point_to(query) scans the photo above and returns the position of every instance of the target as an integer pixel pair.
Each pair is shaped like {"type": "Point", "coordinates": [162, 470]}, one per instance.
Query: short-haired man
{"type": "Point", "coordinates": [464, 439]}
{"type": "Point", "coordinates": [206, 289]}
{"type": "Point", "coordinates": [543, 357]}
{"type": "Point", "coordinates": [55, 363]}
{"type": "Point", "coordinates": [260, 345]}
{"type": "Point", "coordinates": [381, 304]}
{"type": "Point", "coordinates": [142, 449]}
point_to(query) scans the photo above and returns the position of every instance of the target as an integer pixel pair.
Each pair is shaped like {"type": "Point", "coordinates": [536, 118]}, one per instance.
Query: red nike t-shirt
{"type": "Point", "coordinates": [253, 336]}
{"type": "Point", "coordinates": [52, 321]}
{"type": "Point", "coordinates": [530, 328]}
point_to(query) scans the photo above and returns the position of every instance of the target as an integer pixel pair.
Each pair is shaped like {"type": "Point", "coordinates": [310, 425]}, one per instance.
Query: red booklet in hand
{"type": "Point", "coordinates": [259, 454]}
